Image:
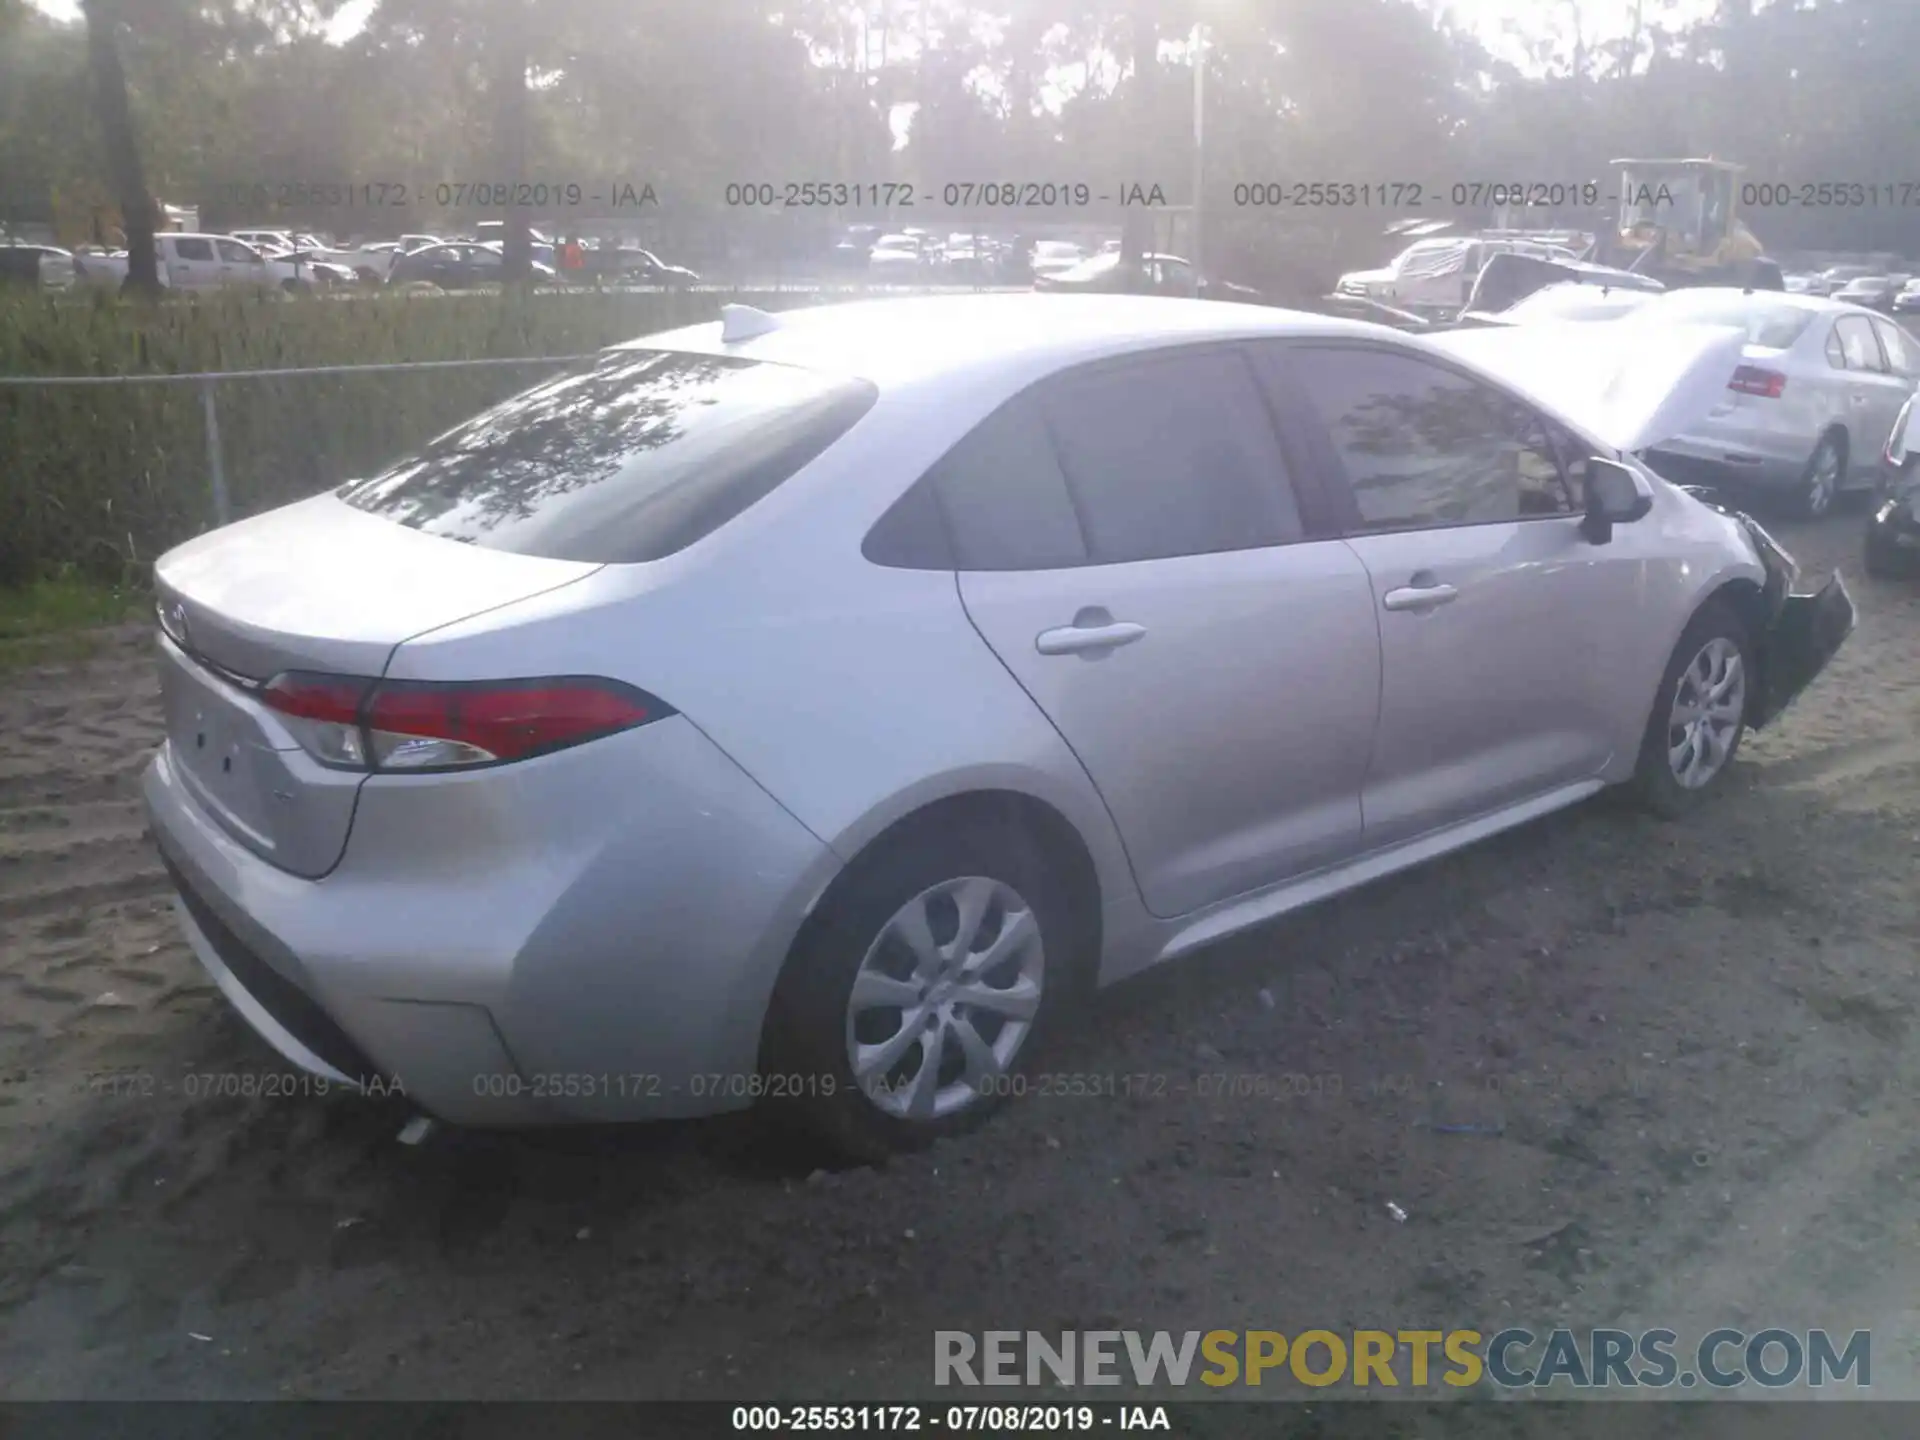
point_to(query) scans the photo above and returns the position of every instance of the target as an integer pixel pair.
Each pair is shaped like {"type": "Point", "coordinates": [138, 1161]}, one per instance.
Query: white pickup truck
{"type": "Point", "coordinates": [1438, 274]}
{"type": "Point", "coordinates": [190, 262]}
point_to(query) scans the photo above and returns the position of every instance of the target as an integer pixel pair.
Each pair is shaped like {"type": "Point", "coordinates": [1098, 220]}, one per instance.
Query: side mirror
{"type": "Point", "coordinates": [1615, 496]}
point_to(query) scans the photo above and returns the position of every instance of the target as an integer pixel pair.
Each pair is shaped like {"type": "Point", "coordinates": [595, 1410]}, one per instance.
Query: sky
{"type": "Point", "coordinates": [1603, 19]}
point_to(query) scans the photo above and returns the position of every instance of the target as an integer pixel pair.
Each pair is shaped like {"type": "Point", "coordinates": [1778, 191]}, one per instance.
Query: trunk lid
{"type": "Point", "coordinates": [316, 585]}
{"type": "Point", "coordinates": [1629, 383]}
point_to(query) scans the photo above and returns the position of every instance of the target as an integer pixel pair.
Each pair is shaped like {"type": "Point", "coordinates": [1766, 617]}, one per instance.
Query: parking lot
{"type": "Point", "coordinates": [1611, 1070]}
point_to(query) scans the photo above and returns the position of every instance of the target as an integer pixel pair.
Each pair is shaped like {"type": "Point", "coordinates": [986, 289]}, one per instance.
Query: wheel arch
{"type": "Point", "coordinates": [1060, 847]}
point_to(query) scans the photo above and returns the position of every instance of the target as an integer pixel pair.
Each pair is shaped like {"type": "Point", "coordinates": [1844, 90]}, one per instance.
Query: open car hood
{"type": "Point", "coordinates": [1629, 383]}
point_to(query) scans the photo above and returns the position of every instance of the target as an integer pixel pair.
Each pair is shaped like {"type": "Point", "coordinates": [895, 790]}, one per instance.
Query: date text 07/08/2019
{"type": "Point", "coordinates": [953, 195]}
{"type": "Point", "coordinates": [607, 194]}
{"type": "Point", "coordinates": [950, 1419]}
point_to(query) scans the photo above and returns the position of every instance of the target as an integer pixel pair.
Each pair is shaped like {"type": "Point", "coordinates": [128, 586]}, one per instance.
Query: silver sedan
{"type": "Point", "coordinates": [812, 709]}
{"type": "Point", "coordinates": [1806, 415]}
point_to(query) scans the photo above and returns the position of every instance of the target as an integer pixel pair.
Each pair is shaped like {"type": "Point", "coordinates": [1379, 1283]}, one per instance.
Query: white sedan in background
{"type": "Point", "coordinates": [1806, 416]}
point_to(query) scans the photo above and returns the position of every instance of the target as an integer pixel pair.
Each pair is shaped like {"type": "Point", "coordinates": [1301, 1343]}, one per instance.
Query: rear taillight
{"type": "Point", "coordinates": [358, 724]}
{"type": "Point", "coordinates": [1754, 380]}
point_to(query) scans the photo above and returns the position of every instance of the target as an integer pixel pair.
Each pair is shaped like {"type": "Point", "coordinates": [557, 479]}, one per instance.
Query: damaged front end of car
{"type": "Point", "coordinates": [1800, 632]}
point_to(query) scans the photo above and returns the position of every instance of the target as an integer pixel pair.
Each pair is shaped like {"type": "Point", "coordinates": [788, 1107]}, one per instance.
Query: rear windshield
{"type": "Point", "coordinates": [1768, 323]}
{"type": "Point", "coordinates": [630, 461]}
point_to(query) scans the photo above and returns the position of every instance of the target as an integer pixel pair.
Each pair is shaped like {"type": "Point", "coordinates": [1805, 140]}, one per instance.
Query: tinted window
{"type": "Point", "coordinates": [1898, 345]}
{"type": "Point", "coordinates": [1425, 446]}
{"type": "Point", "coordinates": [1171, 456]}
{"type": "Point", "coordinates": [1004, 498]}
{"type": "Point", "coordinates": [630, 461]}
{"type": "Point", "coordinates": [1836, 356]}
{"type": "Point", "coordinates": [1857, 343]}
{"type": "Point", "coordinates": [193, 249]}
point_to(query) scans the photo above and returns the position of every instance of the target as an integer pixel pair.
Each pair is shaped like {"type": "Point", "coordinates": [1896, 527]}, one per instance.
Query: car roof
{"type": "Point", "coordinates": [923, 338]}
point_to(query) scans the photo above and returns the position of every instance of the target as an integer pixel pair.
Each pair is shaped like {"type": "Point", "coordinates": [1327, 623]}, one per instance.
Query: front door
{"type": "Point", "coordinates": [1499, 681]}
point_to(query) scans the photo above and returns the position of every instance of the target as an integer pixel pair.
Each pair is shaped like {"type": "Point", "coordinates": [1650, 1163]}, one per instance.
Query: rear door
{"type": "Point", "coordinates": [1131, 545]}
{"type": "Point", "coordinates": [1499, 681]}
{"type": "Point", "coordinates": [1875, 391]}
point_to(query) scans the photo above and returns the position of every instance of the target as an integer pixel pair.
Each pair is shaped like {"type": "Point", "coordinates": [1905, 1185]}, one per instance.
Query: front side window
{"type": "Point", "coordinates": [234, 253]}
{"type": "Point", "coordinates": [630, 461]}
{"type": "Point", "coordinates": [1426, 447]}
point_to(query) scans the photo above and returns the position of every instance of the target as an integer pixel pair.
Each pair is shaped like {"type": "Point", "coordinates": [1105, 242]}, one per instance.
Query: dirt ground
{"type": "Point", "coordinates": [1696, 1041]}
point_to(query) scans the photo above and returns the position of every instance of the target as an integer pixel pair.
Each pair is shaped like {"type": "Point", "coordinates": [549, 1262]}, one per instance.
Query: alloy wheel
{"type": "Point", "coordinates": [945, 998]}
{"type": "Point", "coordinates": [1708, 705]}
{"type": "Point", "coordinates": [1824, 483]}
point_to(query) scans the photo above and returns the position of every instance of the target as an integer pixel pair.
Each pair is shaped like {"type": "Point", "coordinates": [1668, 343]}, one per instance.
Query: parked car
{"type": "Point", "coordinates": [306, 270]}
{"type": "Point", "coordinates": [1438, 274]}
{"type": "Point", "coordinates": [188, 261]}
{"type": "Point", "coordinates": [897, 255]}
{"type": "Point", "coordinates": [1907, 302]}
{"type": "Point", "coordinates": [1874, 292]}
{"type": "Point", "coordinates": [1836, 276]}
{"type": "Point", "coordinates": [372, 261]}
{"type": "Point", "coordinates": [459, 266]}
{"type": "Point", "coordinates": [1893, 525]}
{"type": "Point", "coordinates": [47, 266]}
{"type": "Point", "coordinates": [1805, 417]}
{"type": "Point", "coordinates": [630, 262]}
{"type": "Point", "coordinates": [496, 230]}
{"type": "Point", "coordinates": [267, 239]}
{"type": "Point", "coordinates": [1056, 257]}
{"type": "Point", "coordinates": [770, 698]}
{"type": "Point", "coordinates": [1154, 274]}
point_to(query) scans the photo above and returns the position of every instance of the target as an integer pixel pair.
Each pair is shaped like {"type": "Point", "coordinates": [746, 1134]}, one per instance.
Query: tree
{"type": "Point", "coordinates": [137, 210]}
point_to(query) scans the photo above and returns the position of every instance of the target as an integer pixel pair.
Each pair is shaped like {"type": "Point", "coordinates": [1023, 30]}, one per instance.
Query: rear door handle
{"type": "Point", "coordinates": [1079, 639]}
{"type": "Point", "coordinates": [1418, 597]}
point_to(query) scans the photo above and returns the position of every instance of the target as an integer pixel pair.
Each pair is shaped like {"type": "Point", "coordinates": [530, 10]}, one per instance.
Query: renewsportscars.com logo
{"type": "Point", "coordinates": [1512, 1358]}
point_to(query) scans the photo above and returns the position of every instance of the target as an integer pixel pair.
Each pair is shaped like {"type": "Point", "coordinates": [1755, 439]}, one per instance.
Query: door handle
{"type": "Point", "coordinates": [1079, 639]}
{"type": "Point", "coordinates": [1418, 597]}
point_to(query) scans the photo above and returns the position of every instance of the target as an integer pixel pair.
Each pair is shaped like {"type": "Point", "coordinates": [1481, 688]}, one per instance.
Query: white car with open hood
{"type": "Point", "coordinates": [814, 707]}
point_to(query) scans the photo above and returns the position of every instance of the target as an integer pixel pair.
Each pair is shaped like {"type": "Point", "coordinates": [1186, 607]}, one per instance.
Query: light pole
{"type": "Point", "coordinates": [1198, 44]}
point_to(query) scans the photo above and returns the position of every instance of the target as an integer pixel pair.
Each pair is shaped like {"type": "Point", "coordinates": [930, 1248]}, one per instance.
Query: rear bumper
{"type": "Point", "coordinates": [591, 936]}
{"type": "Point", "coordinates": [1761, 458]}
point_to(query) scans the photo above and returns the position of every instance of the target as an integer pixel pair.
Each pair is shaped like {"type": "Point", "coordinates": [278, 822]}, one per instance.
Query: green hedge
{"type": "Point", "coordinates": [101, 479]}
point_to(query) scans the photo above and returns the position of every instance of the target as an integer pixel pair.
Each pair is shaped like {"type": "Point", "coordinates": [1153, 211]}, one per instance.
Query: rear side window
{"type": "Point", "coordinates": [1004, 498]}
{"type": "Point", "coordinates": [1171, 456]}
{"type": "Point", "coordinates": [1858, 345]}
{"type": "Point", "coordinates": [633, 460]}
{"type": "Point", "coordinates": [1774, 324]}
{"type": "Point", "coordinates": [193, 249]}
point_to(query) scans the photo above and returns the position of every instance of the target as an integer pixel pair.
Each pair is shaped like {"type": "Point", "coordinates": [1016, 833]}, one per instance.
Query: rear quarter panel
{"type": "Point", "coordinates": [854, 693]}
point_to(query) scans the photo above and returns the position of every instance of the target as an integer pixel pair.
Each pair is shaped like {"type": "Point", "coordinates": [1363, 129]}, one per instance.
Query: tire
{"type": "Point", "coordinates": [1697, 661]}
{"type": "Point", "coordinates": [812, 1026]}
{"type": "Point", "coordinates": [1823, 479]}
